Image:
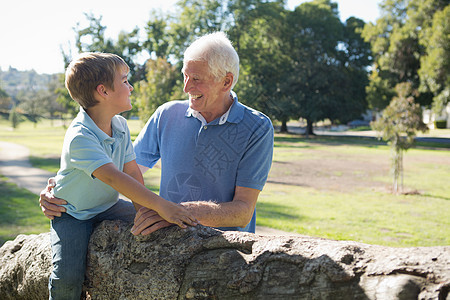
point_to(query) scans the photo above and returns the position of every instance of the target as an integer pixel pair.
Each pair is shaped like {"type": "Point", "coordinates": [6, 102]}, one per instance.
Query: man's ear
{"type": "Point", "coordinates": [228, 81]}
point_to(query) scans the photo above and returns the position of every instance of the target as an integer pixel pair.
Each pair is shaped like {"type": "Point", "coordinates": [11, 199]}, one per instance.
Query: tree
{"type": "Point", "coordinates": [398, 126]}
{"type": "Point", "coordinates": [347, 100]}
{"type": "Point", "coordinates": [162, 83]}
{"type": "Point", "coordinates": [63, 98]}
{"type": "Point", "coordinates": [401, 39]}
{"type": "Point", "coordinates": [264, 61]}
{"type": "Point", "coordinates": [31, 103]}
{"type": "Point", "coordinates": [312, 40]}
{"type": "Point", "coordinates": [92, 39]}
{"type": "Point", "coordinates": [5, 100]}
{"type": "Point", "coordinates": [434, 72]}
{"type": "Point", "coordinates": [14, 117]}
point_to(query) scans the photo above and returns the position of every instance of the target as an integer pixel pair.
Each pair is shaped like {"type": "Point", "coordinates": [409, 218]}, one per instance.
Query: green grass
{"type": "Point", "coordinates": [361, 214]}
{"type": "Point", "coordinates": [369, 217]}
{"type": "Point", "coordinates": [19, 212]}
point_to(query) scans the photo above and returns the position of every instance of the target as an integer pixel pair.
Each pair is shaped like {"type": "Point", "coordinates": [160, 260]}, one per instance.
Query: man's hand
{"type": "Point", "coordinates": [49, 204]}
{"type": "Point", "coordinates": [148, 221]}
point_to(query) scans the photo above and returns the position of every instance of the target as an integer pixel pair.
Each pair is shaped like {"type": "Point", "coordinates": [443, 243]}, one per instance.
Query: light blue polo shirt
{"type": "Point", "coordinates": [207, 161]}
{"type": "Point", "coordinates": [86, 148]}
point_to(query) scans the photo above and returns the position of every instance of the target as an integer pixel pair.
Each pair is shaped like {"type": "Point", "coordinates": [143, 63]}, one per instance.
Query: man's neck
{"type": "Point", "coordinates": [210, 116]}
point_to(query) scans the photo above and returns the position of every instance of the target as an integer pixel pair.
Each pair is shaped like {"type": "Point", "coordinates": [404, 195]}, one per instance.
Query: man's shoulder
{"type": "Point", "coordinates": [175, 105]}
{"type": "Point", "coordinates": [254, 115]}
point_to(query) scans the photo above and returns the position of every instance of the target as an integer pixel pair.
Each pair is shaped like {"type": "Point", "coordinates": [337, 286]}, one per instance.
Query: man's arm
{"type": "Point", "coordinates": [236, 213]}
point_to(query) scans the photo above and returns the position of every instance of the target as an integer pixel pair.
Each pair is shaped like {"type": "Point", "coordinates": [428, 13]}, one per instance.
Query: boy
{"type": "Point", "coordinates": [97, 163]}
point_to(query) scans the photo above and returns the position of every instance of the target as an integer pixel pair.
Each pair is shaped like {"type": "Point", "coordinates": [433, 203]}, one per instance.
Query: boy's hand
{"type": "Point", "coordinates": [49, 204]}
{"type": "Point", "coordinates": [176, 214]}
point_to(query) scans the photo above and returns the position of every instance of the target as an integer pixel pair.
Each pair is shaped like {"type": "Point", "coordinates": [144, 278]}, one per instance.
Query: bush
{"type": "Point", "coordinates": [441, 124]}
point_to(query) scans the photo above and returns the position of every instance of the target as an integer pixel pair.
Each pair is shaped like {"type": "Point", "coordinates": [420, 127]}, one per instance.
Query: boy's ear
{"type": "Point", "coordinates": [101, 90]}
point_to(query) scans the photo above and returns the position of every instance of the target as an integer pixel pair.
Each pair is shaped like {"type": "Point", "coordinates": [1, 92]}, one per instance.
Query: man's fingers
{"type": "Point", "coordinates": [191, 221]}
{"type": "Point", "coordinates": [148, 226]}
{"type": "Point", "coordinates": [50, 206]}
{"type": "Point", "coordinates": [155, 227]}
{"type": "Point", "coordinates": [143, 214]}
{"type": "Point", "coordinates": [146, 221]}
{"type": "Point", "coordinates": [57, 201]}
{"type": "Point", "coordinates": [51, 183]}
{"type": "Point", "coordinates": [46, 199]}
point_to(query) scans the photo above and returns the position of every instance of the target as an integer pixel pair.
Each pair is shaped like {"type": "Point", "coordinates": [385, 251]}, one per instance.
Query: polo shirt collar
{"type": "Point", "coordinates": [117, 127]}
{"type": "Point", "coordinates": [233, 115]}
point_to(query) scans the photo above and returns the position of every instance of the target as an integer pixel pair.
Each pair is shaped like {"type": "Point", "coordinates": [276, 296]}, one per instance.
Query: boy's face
{"type": "Point", "coordinates": [120, 96]}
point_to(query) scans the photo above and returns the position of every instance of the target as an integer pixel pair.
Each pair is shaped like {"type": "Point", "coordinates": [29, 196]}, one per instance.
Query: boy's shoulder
{"type": "Point", "coordinates": [120, 123]}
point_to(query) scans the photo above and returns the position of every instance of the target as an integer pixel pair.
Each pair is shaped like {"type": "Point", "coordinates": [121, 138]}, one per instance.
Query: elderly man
{"type": "Point", "coordinates": [215, 152]}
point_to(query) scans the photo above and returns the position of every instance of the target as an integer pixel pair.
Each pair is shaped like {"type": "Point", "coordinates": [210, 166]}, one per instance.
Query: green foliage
{"type": "Point", "coordinates": [5, 100]}
{"type": "Point", "coordinates": [441, 124]}
{"type": "Point", "coordinates": [379, 91]}
{"type": "Point", "coordinates": [92, 39]}
{"type": "Point", "coordinates": [435, 65]}
{"type": "Point", "coordinates": [63, 97]}
{"type": "Point", "coordinates": [410, 44]}
{"type": "Point", "coordinates": [14, 117]}
{"type": "Point", "coordinates": [399, 125]}
{"type": "Point", "coordinates": [163, 83]}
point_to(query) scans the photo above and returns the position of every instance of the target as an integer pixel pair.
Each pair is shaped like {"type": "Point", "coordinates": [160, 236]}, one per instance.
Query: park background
{"type": "Point", "coordinates": [317, 77]}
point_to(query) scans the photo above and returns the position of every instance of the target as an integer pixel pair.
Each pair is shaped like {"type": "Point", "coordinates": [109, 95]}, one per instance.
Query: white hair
{"type": "Point", "coordinates": [215, 49]}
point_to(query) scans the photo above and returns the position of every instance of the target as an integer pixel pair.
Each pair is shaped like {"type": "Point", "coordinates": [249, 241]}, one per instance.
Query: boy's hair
{"type": "Point", "coordinates": [216, 49]}
{"type": "Point", "coordinates": [87, 71]}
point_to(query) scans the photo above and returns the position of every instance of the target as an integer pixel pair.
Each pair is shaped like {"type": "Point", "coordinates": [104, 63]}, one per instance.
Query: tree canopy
{"type": "Point", "coordinates": [410, 43]}
{"type": "Point", "coordinates": [301, 63]}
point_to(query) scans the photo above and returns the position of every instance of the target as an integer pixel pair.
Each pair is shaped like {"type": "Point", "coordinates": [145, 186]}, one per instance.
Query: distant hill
{"type": "Point", "coordinates": [13, 81]}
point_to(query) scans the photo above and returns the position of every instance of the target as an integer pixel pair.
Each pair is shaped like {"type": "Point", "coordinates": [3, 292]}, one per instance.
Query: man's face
{"type": "Point", "coordinates": [205, 92]}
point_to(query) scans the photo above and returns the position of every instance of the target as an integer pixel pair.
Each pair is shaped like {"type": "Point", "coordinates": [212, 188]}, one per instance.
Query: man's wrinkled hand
{"type": "Point", "coordinates": [50, 205]}
{"type": "Point", "coordinates": [148, 221]}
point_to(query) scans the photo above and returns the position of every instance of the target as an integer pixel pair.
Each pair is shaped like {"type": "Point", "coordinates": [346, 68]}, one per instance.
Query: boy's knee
{"type": "Point", "coordinates": [69, 287]}
{"type": "Point", "coordinates": [66, 284]}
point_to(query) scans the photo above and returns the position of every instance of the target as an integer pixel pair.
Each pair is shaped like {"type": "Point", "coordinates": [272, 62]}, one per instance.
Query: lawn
{"type": "Point", "coordinates": [331, 187]}
{"type": "Point", "coordinates": [19, 212]}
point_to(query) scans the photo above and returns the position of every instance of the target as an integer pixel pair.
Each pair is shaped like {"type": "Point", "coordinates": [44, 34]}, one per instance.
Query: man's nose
{"type": "Point", "coordinates": [187, 84]}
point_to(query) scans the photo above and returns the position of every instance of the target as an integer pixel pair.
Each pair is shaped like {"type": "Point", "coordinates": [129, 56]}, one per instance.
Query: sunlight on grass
{"type": "Point", "coordinates": [365, 214]}
{"type": "Point", "coordinates": [19, 212]}
{"type": "Point", "coordinates": [369, 217]}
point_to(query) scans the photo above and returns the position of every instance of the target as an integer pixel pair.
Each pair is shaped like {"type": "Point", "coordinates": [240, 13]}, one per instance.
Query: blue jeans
{"type": "Point", "coordinates": [69, 239]}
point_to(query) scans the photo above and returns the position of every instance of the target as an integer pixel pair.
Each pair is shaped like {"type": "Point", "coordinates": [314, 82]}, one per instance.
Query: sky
{"type": "Point", "coordinates": [32, 32]}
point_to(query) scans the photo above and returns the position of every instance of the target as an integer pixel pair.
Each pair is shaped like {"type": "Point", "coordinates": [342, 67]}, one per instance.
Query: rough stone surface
{"type": "Point", "coordinates": [203, 263]}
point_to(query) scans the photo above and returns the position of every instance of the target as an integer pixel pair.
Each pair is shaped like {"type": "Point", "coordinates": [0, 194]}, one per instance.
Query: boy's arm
{"type": "Point", "coordinates": [137, 192]}
{"type": "Point", "coordinates": [238, 212]}
{"type": "Point", "coordinates": [131, 168]}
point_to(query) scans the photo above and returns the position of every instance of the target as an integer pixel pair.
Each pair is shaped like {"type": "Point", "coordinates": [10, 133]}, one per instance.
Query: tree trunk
{"type": "Point", "coordinates": [309, 128]}
{"type": "Point", "coordinates": [204, 263]}
{"type": "Point", "coordinates": [283, 127]}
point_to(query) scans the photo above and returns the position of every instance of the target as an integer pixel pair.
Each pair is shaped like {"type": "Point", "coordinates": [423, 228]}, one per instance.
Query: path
{"type": "Point", "coordinates": [14, 164]}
